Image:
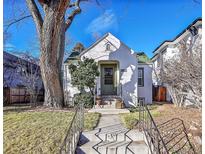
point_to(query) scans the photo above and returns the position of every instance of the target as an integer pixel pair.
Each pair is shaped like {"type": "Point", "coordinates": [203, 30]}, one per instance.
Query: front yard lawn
{"type": "Point", "coordinates": [39, 131]}
{"type": "Point", "coordinates": [131, 119]}
{"type": "Point", "coordinates": [91, 120]}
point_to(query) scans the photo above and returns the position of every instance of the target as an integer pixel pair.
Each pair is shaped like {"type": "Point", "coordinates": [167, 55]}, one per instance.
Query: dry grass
{"type": "Point", "coordinates": [161, 113]}
{"type": "Point", "coordinates": [35, 132]}
{"type": "Point", "coordinates": [91, 120]}
{"type": "Point", "coordinates": [192, 118]}
{"type": "Point", "coordinates": [30, 131]}
{"type": "Point", "coordinates": [131, 119]}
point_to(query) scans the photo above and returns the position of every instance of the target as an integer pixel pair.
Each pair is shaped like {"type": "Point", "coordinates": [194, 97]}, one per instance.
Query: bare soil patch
{"type": "Point", "coordinates": [192, 118]}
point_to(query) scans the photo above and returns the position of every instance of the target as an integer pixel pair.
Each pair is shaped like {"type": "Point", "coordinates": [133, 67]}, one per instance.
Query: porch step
{"type": "Point", "coordinates": [109, 110]}
{"type": "Point", "coordinates": [112, 106]}
{"type": "Point", "coordinates": [108, 101]}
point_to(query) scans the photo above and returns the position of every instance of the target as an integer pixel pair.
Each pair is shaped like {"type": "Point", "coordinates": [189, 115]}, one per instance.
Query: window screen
{"type": "Point", "coordinates": [108, 75]}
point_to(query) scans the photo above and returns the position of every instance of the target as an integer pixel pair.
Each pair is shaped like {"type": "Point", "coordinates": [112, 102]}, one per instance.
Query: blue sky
{"type": "Point", "coordinates": [141, 24]}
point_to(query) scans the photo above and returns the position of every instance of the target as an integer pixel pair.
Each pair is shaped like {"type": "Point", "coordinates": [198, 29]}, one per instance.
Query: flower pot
{"type": "Point", "coordinates": [119, 104]}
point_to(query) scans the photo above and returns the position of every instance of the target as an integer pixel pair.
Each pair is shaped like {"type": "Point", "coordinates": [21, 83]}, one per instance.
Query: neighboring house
{"type": "Point", "coordinates": [13, 78]}
{"type": "Point", "coordinates": [120, 73]}
{"type": "Point", "coordinates": [170, 48]}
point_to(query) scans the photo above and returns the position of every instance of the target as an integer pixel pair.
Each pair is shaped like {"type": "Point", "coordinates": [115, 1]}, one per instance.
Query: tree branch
{"type": "Point", "coordinates": [16, 21]}
{"type": "Point", "coordinates": [35, 14]}
{"type": "Point", "coordinates": [71, 5]}
{"type": "Point", "coordinates": [73, 13]}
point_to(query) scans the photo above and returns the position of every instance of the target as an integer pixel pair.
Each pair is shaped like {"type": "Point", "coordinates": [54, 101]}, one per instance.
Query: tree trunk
{"type": "Point", "coordinates": [52, 44]}
{"type": "Point", "coordinates": [51, 31]}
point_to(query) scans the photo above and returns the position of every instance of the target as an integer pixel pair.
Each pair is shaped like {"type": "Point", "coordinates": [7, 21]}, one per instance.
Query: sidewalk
{"type": "Point", "coordinates": [111, 137]}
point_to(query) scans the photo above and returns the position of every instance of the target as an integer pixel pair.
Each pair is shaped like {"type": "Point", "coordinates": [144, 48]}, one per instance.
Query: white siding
{"type": "Point", "coordinates": [171, 51]}
{"type": "Point", "coordinates": [68, 87]}
{"type": "Point", "coordinates": [127, 69]}
{"type": "Point", "coordinates": [127, 62]}
{"type": "Point", "coordinates": [146, 90]}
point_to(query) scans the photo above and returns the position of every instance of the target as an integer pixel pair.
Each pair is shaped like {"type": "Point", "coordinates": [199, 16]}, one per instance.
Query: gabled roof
{"type": "Point", "coordinates": [166, 42]}
{"type": "Point", "coordinates": [96, 42]}
{"type": "Point", "coordinates": [143, 58]}
{"type": "Point", "coordinates": [73, 56]}
{"type": "Point", "coordinates": [14, 57]}
{"type": "Point", "coordinates": [99, 40]}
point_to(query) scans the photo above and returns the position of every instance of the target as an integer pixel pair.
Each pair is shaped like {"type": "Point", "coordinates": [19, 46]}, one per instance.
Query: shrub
{"type": "Point", "coordinates": [85, 98]}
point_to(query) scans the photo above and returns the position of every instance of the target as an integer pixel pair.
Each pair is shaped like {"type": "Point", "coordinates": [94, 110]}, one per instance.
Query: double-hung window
{"type": "Point", "coordinates": [140, 77]}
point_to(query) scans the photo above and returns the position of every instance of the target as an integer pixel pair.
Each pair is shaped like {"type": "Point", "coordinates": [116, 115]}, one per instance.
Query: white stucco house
{"type": "Point", "coordinates": [170, 49]}
{"type": "Point", "coordinates": [120, 72]}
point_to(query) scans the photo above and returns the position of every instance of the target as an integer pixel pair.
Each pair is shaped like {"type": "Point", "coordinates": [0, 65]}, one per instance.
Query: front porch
{"type": "Point", "coordinates": [108, 98]}
{"type": "Point", "coordinates": [108, 83]}
{"type": "Point", "coordinates": [110, 104]}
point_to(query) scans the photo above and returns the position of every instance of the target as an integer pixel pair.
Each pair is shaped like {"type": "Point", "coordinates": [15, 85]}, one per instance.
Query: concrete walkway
{"type": "Point", "coordinates": [111, 137]}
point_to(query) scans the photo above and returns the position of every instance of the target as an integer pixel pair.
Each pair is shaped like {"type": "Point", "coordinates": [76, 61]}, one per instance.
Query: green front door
{"type": "Point", "coordinates": [108, 79]}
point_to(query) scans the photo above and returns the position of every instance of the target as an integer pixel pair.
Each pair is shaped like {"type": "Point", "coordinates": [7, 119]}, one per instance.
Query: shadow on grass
{"type": "Point", "coordinates": [150, 107]}
{"type": "Point", "coordinates": [20, 107]}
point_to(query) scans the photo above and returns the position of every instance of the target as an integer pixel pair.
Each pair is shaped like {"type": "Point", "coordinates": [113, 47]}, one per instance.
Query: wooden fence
{"type": "Point", "coordinates": [19, 95]}
{"type": "Point", "coordinates": [159, 93]}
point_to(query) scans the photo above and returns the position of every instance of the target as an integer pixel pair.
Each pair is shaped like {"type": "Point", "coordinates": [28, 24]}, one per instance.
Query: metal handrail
{"type": "Point", "coordinates": [155, 127]}
{"type": "Point", "coordinates": [72, 136]}
{"type": "Point", "coordinates": [180, 122]}
{"type": "Point", "coordinates": [95, 94]}
{"type": "Point", "coordinates": [156, 140]}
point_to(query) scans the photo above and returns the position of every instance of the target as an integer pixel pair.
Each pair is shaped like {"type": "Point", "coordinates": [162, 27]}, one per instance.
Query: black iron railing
{"type": "Point", "coordinates": [168, 137]}
{"type": "Point", "coordinates": [175, 136]}
{"type": "Point", "coordinates": [71, 139]}
{"type": "Point", "coordinates": [153, 137]}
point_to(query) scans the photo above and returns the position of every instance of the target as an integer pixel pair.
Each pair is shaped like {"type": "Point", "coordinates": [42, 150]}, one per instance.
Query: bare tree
{"type": "Point", "coordinates": [52, 19]}
{"type": "Point", "coordinates": [30, 75]}
{"type": "Point", "coordinates": [51, 31]}
{"type": "Point", "coordinates": [183, 73]}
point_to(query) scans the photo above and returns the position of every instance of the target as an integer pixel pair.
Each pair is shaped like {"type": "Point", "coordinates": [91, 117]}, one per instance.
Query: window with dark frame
{"type": "Point", "coordinates": [108, 76]}
{"type": "Point", "coordinates": [108, 46]}
{"type": "Point", "coordinates": [141, 77]}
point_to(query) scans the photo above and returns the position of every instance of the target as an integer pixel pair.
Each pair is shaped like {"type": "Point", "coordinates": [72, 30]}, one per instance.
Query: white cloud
{"type": "Point", "coordinates": [102, 23]}
{"type": "Point", "coordinates": [9, 47]}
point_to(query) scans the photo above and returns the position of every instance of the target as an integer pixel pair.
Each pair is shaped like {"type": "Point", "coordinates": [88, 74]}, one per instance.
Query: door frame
{"type": "Point", "coordinates": [114, 64]}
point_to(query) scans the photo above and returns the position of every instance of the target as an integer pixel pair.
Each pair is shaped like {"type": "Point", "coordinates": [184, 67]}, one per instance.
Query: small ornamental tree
{"type": "Point", "coordinates": [83, 76]}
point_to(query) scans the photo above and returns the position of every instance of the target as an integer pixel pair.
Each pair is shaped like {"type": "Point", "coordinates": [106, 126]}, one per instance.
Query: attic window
{"type": "Point", "coordinates": [108, 46]}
